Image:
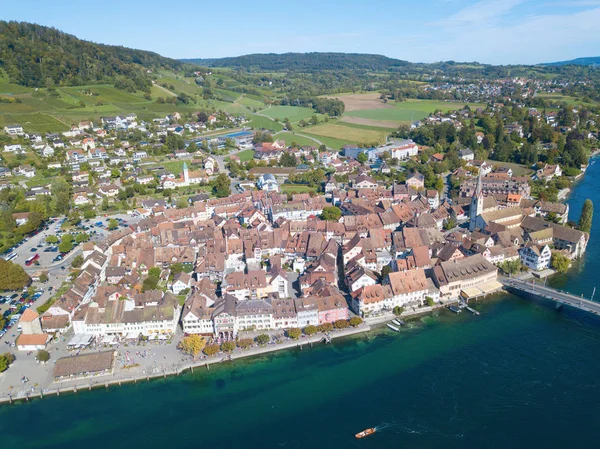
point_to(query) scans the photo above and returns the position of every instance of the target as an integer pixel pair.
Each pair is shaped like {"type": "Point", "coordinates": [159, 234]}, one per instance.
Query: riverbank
{"type": "Point", "coordinates": [124, 377]}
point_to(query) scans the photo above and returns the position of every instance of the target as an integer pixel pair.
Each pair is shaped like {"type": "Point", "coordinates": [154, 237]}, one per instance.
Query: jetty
{"type": "Point", "coordinates": [533, 289]}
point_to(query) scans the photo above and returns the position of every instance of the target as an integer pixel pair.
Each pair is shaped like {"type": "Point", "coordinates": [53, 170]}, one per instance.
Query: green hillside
{"type": "Point", "coordinates": [39, 56]}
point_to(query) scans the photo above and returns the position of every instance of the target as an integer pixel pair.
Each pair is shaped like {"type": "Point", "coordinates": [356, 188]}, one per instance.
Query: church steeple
{"type": "Point", "coordinates": [476, 208]}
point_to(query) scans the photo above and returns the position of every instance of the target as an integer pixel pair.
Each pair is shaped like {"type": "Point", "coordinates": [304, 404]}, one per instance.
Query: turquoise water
{"type": "Point", "coordinates": [519, 375]}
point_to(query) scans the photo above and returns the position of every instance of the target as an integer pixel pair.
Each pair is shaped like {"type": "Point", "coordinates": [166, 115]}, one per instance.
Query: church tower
{"type": "Point", "coordinates": [476, 208]}
{"type": "Point", "coordinates": [186, 174]}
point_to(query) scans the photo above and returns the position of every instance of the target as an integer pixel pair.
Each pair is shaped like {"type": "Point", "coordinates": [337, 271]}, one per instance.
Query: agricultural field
{"type": "Point", "coordinates": [294, 113]}
{"type": "Point", "coordinates": [560, 98]}
{"type": "Point", "coordinates": [38, 123]}
{"type": "Point", "coordinates": [260, 122]}
{"type": "Point", "coordinates": [298, 138]}
{"type": "Point", "coordinates": [405, 111]}
{"type": "Point", "coordinates": [347, 134]}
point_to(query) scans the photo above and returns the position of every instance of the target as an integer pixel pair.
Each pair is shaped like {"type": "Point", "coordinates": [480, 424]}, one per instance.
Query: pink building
{"type": "Point", "coordinates": [332, 308]}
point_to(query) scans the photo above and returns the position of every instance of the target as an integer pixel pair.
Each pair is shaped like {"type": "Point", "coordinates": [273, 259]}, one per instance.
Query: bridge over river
{"type": "Point", "coordinates": [530, 288]}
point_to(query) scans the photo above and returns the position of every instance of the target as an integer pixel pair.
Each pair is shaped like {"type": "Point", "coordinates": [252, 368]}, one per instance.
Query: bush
{"type": "Point", "coordinates": [263, 339]}
{"type": "Point", "coordinates": [341, 324]}
{"type": "Point", "coordinates": [310, 330]}
{"type": "Point", "coordinates": [245, 343]}
{"type": "Point", "coordinates": [211, 350]}
{"type": "Point", "coordinates": [355, 321]}
{"type": "Point", "coordinates": [429, 301]}
{"type": "Point", "coordinates": [294, 333]}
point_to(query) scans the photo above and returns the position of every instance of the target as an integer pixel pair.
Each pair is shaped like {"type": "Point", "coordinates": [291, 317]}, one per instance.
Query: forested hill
{"type": "Point", "coordinates": [309, 62]}
{"type": "Point", "coordinates": [592, 61]}
{"type": "Point", "coordinates": [38, 56]}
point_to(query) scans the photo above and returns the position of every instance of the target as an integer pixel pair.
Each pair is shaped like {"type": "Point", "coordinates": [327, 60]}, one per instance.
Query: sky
{"type": "Point", "coordinates": [487, 31]}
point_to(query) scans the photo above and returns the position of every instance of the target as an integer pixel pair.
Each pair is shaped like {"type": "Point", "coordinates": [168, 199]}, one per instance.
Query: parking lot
{"type": "Point", "coordinates": [57, 270]}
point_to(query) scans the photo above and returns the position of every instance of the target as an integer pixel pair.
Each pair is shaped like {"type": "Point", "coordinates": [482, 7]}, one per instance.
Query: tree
{"type": "Point", "coordinates": [429, 301]}
{"type": "Point", "coordinates": [65, 246]}
{"type": "Point", "coordinates": [263, 339]}
{"type": "Point", "coordinates": [245, 343]}
{"type": "Point", "coordinates": [192, 345]}
{"type": "Point", "coordinates": [150, 283]}
{"type": "Point", "coordinates": [398, 310]}
{"type": "Point", "coordinates": [176, 268]}
{"type": "Point", "coordinates": [182, 203]}
{"type": "Point", "coordinates": [288, 160]}
{"type": "Point", "coordinates": [355, 321]}
{"type": "Point", "coordinates": [82, 237]}
{"type": "Point", "coordinates": [362, 158]}
{"type": "Point", "coordinates": [325, 327]}
{"type": "Point", "coordinates": [43, 355]}
{"type": "Point", "coordinates": [112, 224]}
{"type": "Point", "coordinates": [52, 239]}
{"type": "Point", "coordinates": [294, 333]}
{"type": "Point", "coordinates": [585, 220]}
{"type": "Point", "coordinates": [43, 278]}
{"type": "Point", "coordinates": [221, 186]}
{"type": "Point", "coordinates": [5, 360]}
{"type": "Point", "coordinates": [560, 262]}
{"type": "Point", "coordinates": [310, 330]}
{"type": "Point", "coordinates": [88, 214]}
{"type": "Point", "coordinates": [77, 262]}
{"type": "Point", "coordinates": [341, 324]}
{"type": "Point", "coordinates": [228, 346]}
{"type": "Point", "coordinates": [211, 350]}
{"type": "Point", "coordinates": [12, 276]}
{"type": "Point", "coordinates": [331, 213]}
{"type": "Point", "coordinates": [385, 271]}
{"type": "Point", "coordinates": [154, 272]}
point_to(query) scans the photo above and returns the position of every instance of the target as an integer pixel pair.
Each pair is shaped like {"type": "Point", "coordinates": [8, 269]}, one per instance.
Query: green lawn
{"type": "Point", "coordinates": [518, 170]}
{"type": "Point", "coordinates": [292, 188]}
{"type": "Point", "coordinates": [245, 155]}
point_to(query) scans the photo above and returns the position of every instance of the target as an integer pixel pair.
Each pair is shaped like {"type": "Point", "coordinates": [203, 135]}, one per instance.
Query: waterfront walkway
{"type": "Point", "coordinates": [170, 367]}
{"type": "Point", "coordinates": [519, 286]}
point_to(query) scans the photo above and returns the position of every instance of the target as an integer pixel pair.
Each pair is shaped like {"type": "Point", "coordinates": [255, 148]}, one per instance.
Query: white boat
{"type": "Point", "coordinates": [396, 322]}
{"type": "Point", "coordinates": [391, 326]}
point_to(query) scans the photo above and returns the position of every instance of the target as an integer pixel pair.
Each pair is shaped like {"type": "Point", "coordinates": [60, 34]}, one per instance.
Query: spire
{"type": "Point", "coordinates": [478, 187]}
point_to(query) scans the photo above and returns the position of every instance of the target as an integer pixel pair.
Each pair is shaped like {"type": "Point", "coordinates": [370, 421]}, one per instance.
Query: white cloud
{"type": "Point", "coordinates": [533, 39]}
{"type": "Point", "coordinates": [484, 11]}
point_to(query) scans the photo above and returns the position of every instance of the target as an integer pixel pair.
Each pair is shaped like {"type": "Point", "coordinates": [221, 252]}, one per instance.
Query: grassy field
{"type": "Point", "coordinates": [347, 134]}
{"type": "Point", "coordinates": [259, 122]}
{"type": "Point", "coordinates": [292, 188]}
{"type": "Point", "coordinates": [407, 111]}
{"type": "Point", "coordinates": [294, 113]}
{"type": "Point", "coordinates": [559, 98]}
{"type": "Point", "coordinates": [39, 123]}
{"type": "Point", "coordinates": [251, 102]}
{"type": "Point", "coordinates": [300, 140]}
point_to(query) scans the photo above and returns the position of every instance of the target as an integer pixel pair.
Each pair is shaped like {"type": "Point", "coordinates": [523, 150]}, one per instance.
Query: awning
{"type": "Point", "coordinates": [108, 339]}
{"type": "Point", "coordinates": [480, 290]}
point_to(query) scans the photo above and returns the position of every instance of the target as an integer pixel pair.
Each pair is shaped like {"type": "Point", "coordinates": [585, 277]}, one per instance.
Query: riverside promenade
{"type": "Point", "coordinates": [172, 366]}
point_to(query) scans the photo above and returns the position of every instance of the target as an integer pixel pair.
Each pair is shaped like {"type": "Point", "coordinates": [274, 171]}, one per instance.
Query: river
{"type": "Point", "coordinates": [520, 375]}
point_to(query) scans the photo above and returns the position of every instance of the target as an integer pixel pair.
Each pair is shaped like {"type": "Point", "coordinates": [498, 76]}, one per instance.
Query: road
{"type": "Point", "coordinates": [554, 295]}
